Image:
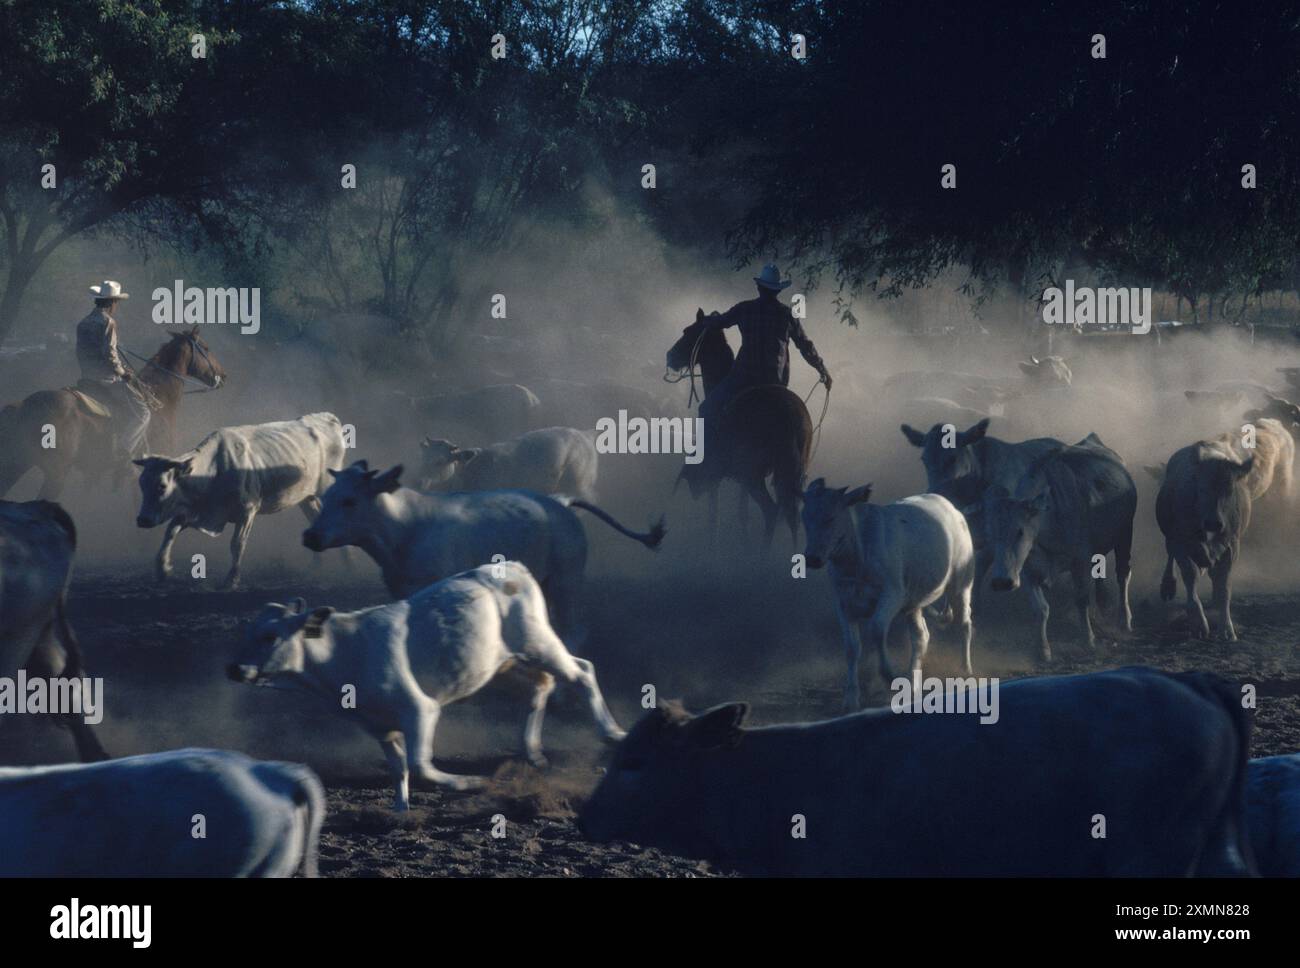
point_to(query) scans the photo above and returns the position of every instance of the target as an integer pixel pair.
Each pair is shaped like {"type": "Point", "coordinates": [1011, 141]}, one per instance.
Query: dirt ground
{"type": "Point", "coordinates": [162, 652]}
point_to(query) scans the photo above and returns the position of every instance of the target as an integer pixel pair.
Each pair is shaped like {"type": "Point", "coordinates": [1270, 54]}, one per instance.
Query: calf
{"type": "Point", "coordinates": [234, 475]}
{"type": "Point", "coordinates": [1203, 509]}
{"type": "Point", "coordinates": [1070, 506]}
{"type": "Point", "coordinates": [888, 795]}
{"type": "Point", "coordinates": [555, 460]}
{"type": "Point", "coordinates": [409, 659]}
{"type": "Point", "coordinates": [135, 817]}
{"type": "Point", "coordinates": [886, 562]}
{"type": "Point", "coordinates": [1273, 809]}
{"type": "Point", "coordinates": [417, 539]}
{"type": "Point", "coordinates": [37, 544]}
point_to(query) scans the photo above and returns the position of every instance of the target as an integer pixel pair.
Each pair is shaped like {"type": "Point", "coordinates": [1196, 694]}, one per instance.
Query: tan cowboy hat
{"type": "Point", "coordinates": [109, 290]}
{"type": "Point", "coordinates": [770, 278]}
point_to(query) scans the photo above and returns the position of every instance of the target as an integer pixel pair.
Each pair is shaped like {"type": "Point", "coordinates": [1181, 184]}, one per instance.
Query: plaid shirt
{"type": "Point", "coordinates": [97, 347]}
{"type": "Point", "coordinates": [766, 328]}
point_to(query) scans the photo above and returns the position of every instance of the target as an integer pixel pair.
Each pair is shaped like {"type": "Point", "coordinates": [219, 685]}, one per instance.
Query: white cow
{"type": "Point", "coordinates": [554, 460]}
{"type": "Point", "coordinates": [889, 561]}
{"type": "Point", "coordinates": [138, 816]}
{"type": "Point", "coordinates": [418, 539]}
{"type": "Point", "coordinates": [409, 659]}
{"type": "Point", "coordinates": [37, 544]}
{"type": "Point", "coordinates": [234, 475]}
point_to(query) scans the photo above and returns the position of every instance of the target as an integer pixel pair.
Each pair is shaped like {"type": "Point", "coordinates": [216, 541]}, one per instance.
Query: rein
{"type": "Point", "coordinates": [202, 387]}
{"type": "Point", "coordinates": [690, 371]}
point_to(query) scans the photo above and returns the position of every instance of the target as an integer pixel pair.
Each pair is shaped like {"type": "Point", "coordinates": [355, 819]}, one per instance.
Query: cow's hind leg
{"type": "Point", "coordinates": [1200, 626]}
{"type": "Point", "coordinates": [418, 732]}
{"type": "Point", "coordinates": [543, 684]}
{"type": "Point", "coordinates": [960, 603]}
{"type": "Point", "coordinates": [163, 562]}
{"type": "Point", "coordinates": [395, 753]}
{"type": "Point", "coordinates": [920, 636]}
{"type": "Point", "coordinates": [549, 656]}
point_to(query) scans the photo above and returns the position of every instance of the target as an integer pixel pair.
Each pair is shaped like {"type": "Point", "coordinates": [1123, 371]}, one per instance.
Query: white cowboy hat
{"type": "Point", "coordinates": [770, 278]}
{"type": "Point", "coordinates": [109, 290]}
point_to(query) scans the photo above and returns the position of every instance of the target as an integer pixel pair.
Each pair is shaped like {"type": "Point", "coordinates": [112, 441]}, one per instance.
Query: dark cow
{"type": "Point", "coordinates": [1070, 506]}
{"type": "Point", "coordinates": [884, 794]}
{"type": "Point", "coordinates": [1203, 509]}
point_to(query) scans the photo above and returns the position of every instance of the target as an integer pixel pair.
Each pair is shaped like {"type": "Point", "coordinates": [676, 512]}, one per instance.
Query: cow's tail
{"type": "Point", "coordinates": [651, 539]}
{"type": "Point", "coordinates": [1229, 832]}
{"type": "Point", "coordinates": [1167, 585]}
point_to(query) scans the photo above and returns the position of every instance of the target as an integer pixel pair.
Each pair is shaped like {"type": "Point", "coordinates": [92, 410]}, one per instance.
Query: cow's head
{"type": "Point", "coordinates": [1279, 409]}
{"type": "Point", "coordinates": [346, 506]}
{"type": "Point", "coordinates": [273, 646]}
{"type": "Point", "coordinates": [644, 796]}
{"type": "Point", "coordinates": [162, 489]}
{"type": "Point", "coordinates": [440, 460]}
{"type": "Point", "coordinates": [1217, 477]}
{"type": "Point", "coordinates": [826, 521]}
{"type": "Point", "coordinates": [951, 467]}
{"type": "Point", "coordinates": [1010, 525]}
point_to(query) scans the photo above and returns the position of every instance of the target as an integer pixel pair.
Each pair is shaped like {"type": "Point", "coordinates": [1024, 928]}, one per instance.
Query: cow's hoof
{"type": "Point", "coordinates": [539, 761]}
{"type": "Point", "coordinates": [230, 584]}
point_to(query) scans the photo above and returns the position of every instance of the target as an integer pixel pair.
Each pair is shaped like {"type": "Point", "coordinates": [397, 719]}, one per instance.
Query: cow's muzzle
{"type": "Point", "coordinates": [142, 521]}
{"type": "Point", "coordinates": [312, 540]}
{"type": "Point", "coordinates": [1004, 584]}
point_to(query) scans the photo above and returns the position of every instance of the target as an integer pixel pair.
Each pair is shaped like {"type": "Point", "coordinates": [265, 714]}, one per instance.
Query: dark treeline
{"type": "Point", "coordinates": [1130, 165]}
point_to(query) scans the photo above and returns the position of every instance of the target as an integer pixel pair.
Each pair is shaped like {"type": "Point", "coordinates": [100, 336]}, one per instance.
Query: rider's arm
{"type": "Point", "coordinates": [722, 320]}
{"type": "Point", "coordinates": [806, 348]}
{"type": "Point", "coordinates": [111, 355]}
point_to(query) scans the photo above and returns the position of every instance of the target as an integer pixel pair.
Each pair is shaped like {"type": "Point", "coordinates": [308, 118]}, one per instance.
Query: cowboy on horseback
{"type": "Point", "coordinates": [107, 377]}
{"type": "Point", "coordinates": [766, 328]}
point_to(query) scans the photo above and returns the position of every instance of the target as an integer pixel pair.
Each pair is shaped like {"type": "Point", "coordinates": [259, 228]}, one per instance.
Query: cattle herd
{"type": "Point", "coordinates": [485, 563]}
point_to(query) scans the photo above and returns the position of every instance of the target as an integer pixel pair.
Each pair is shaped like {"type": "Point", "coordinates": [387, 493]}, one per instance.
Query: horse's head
{"type": "Point", "coordinates": [711, 343]}
{"type": "Point", "coordinates": [194, 359]}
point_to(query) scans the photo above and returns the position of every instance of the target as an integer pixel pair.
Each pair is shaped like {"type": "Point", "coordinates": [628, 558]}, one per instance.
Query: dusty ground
{"type": "Point", "coordinates": [162, 652]}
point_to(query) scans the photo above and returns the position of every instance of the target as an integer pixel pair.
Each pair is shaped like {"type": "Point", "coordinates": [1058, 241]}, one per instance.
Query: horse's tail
{"type": "Point", "coordinates": [651, 539]}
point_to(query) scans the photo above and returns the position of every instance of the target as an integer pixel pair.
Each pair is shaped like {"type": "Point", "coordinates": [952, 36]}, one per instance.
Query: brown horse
{"type": "Point", "coordinates": [81, 438]}
{"type": "Point", "coordinates": [765, 432]}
